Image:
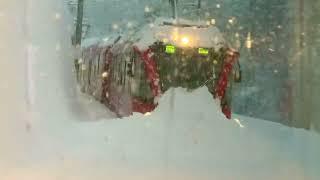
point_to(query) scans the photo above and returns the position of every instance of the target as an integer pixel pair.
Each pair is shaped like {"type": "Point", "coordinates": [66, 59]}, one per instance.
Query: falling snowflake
{"type": "Point", "coordinates": [57, 16]}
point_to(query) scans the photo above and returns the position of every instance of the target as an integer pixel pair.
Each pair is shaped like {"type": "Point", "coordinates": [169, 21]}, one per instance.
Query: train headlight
{"type": "Point", "coordinates": [104, 75]}
{"type": "Point", "coordinates": [185, 40]}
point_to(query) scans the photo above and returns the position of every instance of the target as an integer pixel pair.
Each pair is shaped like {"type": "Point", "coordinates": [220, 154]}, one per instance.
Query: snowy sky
{"type": "Point", "coordinates": [46, 131]}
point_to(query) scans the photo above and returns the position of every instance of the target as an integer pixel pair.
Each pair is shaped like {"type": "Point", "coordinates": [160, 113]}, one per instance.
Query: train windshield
{"type": "Point", "coordinates": [187, 67]}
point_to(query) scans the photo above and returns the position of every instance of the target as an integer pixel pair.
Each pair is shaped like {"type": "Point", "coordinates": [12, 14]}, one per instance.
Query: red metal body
{"type": "Point", "coordinates": [221, 88]}
{"type": "Point", "coordinates": [153, 77]}
{"type": "Point", "coordinates": [115, 101]}
{"type": "Point", "coordinates": [123, 104]}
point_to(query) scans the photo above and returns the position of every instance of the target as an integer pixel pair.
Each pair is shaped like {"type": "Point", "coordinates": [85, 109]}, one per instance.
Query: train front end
{"type": "Point", "coordinates": [186, 55]}
{"type": "Point", "coordinates": [130, 73]}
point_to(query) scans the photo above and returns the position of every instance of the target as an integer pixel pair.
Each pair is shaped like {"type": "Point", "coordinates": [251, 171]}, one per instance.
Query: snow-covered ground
{"type": "Point", "coordinates": [47, 130]}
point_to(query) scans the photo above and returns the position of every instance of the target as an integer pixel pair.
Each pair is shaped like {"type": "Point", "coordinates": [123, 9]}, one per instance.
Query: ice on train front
{"type": "Point", "coordinates": [129, 73]}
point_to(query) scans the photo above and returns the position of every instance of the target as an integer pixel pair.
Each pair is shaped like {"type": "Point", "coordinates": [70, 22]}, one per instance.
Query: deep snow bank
{"type": "Point", "coordinates": [185, 138]}
{"type": "Point", "coordinates": [13, 111]}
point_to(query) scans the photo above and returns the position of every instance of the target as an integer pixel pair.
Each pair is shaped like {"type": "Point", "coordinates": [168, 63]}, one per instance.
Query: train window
{"type": "Point", "coordinates": [95, 66]}
{"type": "Point", "coordinates": [124, 74]}
{"type": "Point", "coordinates": [89, 72]}
{"type": "Point", "coordinates": [98, 64]}
{"type": "Point", "coordinates": [118, 61]}
{"type": "Point", "coordinates": [122, 69]}
{"type": "Point", "coordinates": [118, 69]}
{"type": "Point", "coordinates": [113, 68]}
{"type": "Point", "coordinates": [133, 63]}
{"type": "Point", "coordinates": [187, 67]}
{"type": "Point", "coordinates": [140, 85]}
{"type": "Point", "coordinates": [130, 65]}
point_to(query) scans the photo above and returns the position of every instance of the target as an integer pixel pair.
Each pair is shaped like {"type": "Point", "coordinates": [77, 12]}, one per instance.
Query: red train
{"type": "Point", "coordinates": [129, 73]}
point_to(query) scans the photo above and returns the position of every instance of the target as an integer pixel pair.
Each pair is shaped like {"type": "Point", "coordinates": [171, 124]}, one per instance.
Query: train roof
{"type": "Point", "coordinates": [89, 42]}
{"type": "Point", "coordinates": [96, 41]}
{"type": "Point", "coordinates": [184, 33]}
{"type": "Point", "coordinates": [168, 31]}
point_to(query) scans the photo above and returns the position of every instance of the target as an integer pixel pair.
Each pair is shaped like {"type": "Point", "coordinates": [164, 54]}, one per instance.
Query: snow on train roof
{"type": "Point", "coordinates": [98, 41]}
{"type": "Point", "coordinates": [89, 42]}
{"type": "Point", "coordinates": [181, 34]}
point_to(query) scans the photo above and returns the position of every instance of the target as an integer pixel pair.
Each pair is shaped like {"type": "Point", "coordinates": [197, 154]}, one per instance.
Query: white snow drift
{"type": "Point", "coordinates": [42, 136]}
{"type": "Point", "coordinates": [186, 34]}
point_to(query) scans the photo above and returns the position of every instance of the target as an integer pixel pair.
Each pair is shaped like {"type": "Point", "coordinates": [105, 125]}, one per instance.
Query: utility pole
{"type": "Point", "coordinates": [174, 6]}
{"type": "Point", "coordinates": [78, 35]}
{"type": "Point", "coordinates": [305, 91]}
{"type": "Point", "coordinates": [199, 9]}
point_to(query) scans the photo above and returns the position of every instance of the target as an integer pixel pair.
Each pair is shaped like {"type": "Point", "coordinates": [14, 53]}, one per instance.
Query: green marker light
{"type": "Point", "coordinates": [203, 51]}
{"type": "Point", "coordinates": [170, 49]}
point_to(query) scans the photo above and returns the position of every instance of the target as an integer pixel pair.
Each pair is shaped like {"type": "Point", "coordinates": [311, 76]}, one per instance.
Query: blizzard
{"type": "Point", "coordinates": [49, 130]}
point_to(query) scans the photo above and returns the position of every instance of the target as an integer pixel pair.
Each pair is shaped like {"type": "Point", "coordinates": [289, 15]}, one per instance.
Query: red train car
{"type": "Point", "coordinates": [129, 73]}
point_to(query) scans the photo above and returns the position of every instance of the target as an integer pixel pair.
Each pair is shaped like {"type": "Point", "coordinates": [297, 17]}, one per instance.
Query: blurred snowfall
{"type": "Point", "coordinates": [43, 134]}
